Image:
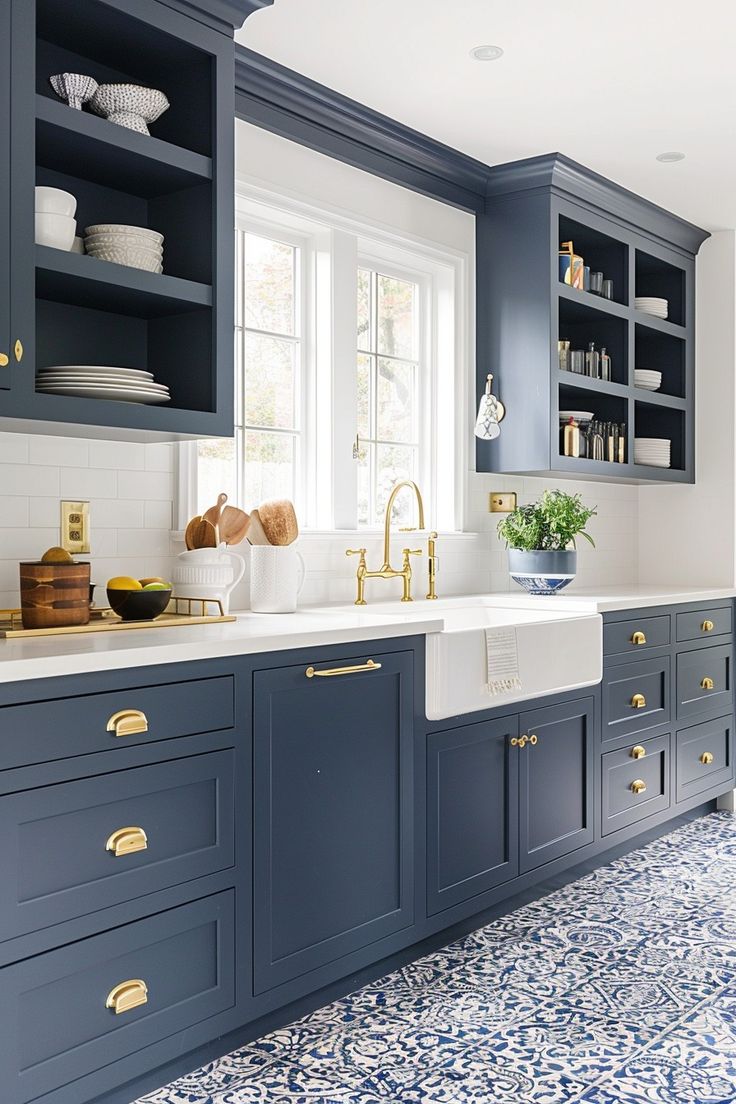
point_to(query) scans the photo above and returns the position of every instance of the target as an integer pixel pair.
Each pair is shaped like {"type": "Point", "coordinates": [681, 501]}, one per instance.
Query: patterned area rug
{"type": "Point", "coordinates": [618, 989]}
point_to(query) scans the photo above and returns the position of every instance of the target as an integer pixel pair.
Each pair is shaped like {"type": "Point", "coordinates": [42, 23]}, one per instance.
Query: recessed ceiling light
{"type": "Point", "coordinates": [486, 53]}
{"type": "Point", "coordinates": [670, 156]}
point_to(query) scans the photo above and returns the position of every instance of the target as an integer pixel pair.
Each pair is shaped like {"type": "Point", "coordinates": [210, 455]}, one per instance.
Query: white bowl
{"type": "Point", "coordinates": [121, 229]}
{"type": "Point", "coordinates": [56, 231]}
{"type": "Point", "coordinates": [131, 257]}
{"type": "Point", "coordinates": [78, 245]}
{"type": "Point", "coordinates": [129, 105]}
{"type": "Point", "coordinates": [124, 241]}
{"type": "Point", "coordinates": [53, 201]}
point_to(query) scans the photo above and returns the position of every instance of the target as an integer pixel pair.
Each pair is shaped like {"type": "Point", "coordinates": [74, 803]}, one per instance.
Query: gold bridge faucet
{"type": "Point", "coordinates": [387, 571]}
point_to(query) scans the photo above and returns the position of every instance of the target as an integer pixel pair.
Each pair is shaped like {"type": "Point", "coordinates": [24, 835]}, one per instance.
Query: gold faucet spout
{"type": "Point", "coordinates": [389, 510]}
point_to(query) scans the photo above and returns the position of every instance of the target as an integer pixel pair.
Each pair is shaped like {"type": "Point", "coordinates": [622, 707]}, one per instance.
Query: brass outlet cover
{"type": "Point", "coordinates": [75, 527]}
{"type": "Point", "coordinates": [501, 502]}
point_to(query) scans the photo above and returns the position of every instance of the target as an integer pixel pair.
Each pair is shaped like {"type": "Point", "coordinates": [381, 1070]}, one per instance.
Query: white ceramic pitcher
{"type": "Point", "coordinates": [211, 573]}
{"type": "Point", "coordinates": [276, 578]}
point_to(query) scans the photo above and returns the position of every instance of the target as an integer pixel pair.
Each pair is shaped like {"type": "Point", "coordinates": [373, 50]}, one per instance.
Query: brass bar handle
{"type": "Point", "coordinates": [707, 683]}
{"type": "Point", "coordinates": [638, 786]}
{"type": "Point", "coordinates": [638, 638]}
{"type": "Point", "coordinates": [706, 758]}
{"type": "Point", "coordinates": [127, 995]}
{"type": "Point", "coordinates": [128, 722]}
{"type": "Point", "coordinates": [707, 626]}
{"type": "Point", "coordinates": [638, 752]}
{"type": "Point", "coordinates": [332, 672]}
{"type": "Point", "coordinates": [18, 350]}
{"type": "Point", "coordinates": [4, 360]}
{"type": "Point", "coordinates": [125, 841]}
{"type": "Point", "coordinates": [639, 701]}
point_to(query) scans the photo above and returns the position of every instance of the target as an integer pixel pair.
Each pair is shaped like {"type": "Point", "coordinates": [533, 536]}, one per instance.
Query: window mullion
{"type": "Point", "coordinates": [344, 379]}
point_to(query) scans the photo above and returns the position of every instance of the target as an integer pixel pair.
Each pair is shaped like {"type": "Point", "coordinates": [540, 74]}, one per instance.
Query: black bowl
{"type": "Point", "coordinates": [138, 605]}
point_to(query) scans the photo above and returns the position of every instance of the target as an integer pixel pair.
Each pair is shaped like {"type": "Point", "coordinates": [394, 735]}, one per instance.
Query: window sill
{"type": "Point", "coordinates": [354, 535]}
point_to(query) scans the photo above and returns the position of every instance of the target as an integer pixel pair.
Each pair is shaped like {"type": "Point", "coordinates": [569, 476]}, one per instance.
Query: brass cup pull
{"type": "Point", "coordinates": [332, 672]}
{"type": "Point", "coordinates": [127, 995]}
{"type": "Point", "coordinates": [638, 638]}
{"type": "Point", "coordinates": [707, 683]}
{"type": "Point", "coordinates": [128, 722]}
{"type": "Point", "coordinates": [4, 360]}
{"type": "Point", "coordinates": [707, 626]}
{"type": "Point", "coordinates": [639, 701]}
{"type": "Point", "coordinates": [638, 786]}
{"type": "Point", "coordinates": [125, 841]}
{"type": "Point", "coordinates": [706, 758]}
{"type": "Point", "coordinates": [638, 752]}
{"type": "Point", "coordinates": [18, 350]}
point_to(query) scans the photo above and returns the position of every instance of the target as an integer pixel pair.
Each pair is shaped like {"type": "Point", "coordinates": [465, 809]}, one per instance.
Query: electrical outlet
{"type": "Point", "coordinates": [501, 502]}
{"type": "Point", "coordinates": [75, 527]}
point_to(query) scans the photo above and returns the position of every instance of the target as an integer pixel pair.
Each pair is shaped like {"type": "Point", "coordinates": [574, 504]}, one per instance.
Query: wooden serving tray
{"type": "Point", "coordinates": [104, 620]}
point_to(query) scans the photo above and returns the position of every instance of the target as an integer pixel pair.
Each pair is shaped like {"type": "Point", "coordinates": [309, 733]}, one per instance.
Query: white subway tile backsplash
{"type": "Point", "coordinates": [14, 512]}
{"type": "Point", "coordinates": [159, 457]}
{"type": "Point", "coordinates": [157, 515]}
{"type": "Point", "coordinates": [29, 479]}
{"type": "Point", "coordinates": [116, 513]}
{"type": "Point", "coordinates": [58, 451]}
{"type": "Point", "coordinates": [154, 485]}
{"type": "Point", "coordinates": [13, 448]}
{"type": "Point", "coordinates": [143, 542]}
{"type": "Point", "coordinates": [119, 455]}
{"type": "Point", "coordinates": [87, 483]}
{"type": "Point", "coordinates": [42, 510]}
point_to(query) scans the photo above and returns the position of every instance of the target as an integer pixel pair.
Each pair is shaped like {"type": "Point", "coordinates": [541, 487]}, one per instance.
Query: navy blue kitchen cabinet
{"type": "Point", "coordinates": [5, 84]}
{"type": "Point", "coordinates": [61, 308]}
{"type": "Point", "coordinates": [333, 814]}
{"type": "Point", "coordinates": [472, 810]}
{"type": "Point", "coordinates": [556, 779]}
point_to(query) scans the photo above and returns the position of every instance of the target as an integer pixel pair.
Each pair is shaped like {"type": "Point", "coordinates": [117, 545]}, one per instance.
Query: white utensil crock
{"type": "Point", "coordinates": [276, 578]}
{"type": "Point", "coordinates": [211, 573]}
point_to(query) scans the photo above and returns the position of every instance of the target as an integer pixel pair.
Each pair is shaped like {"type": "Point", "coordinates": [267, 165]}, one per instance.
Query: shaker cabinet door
{"type": "Point", "coordinates": [555, 782]}
{"type": "Point", "coordinates": [5, 278]}
{"type": "Point", "coordinates": [333, 815]}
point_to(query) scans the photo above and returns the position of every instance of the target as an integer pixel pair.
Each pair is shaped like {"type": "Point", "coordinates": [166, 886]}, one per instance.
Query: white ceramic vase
{"type": "Point", "coordinates": [276, 578]}
{"type": "Point", "coordinates": [211, 573]}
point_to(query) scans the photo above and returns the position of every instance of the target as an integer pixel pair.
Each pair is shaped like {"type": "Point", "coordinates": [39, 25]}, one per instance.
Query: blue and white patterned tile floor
{"type": "Point", "coordinates": [618, 989]}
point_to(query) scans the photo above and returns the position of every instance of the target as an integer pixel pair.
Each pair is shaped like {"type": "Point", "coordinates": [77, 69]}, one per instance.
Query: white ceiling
{"type": "Point", "coordinates": [610, 84]}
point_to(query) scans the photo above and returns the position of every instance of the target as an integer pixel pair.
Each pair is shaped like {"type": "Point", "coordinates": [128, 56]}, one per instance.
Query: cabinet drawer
{"type": "Point", "coordinates": [56, 1023]}
{"type": "Point", "coordinates": [636, 696]}
{"type": "Point", "coordinates": [635, 785]}
{"type": "Point", "coordinates": [704, 757]}
{"type": "Point", "coordinates": [55, 863]}
{"type": "Point", "coordinates": [704, 624]}
{"type": "Point", "coordinates": [61, 728]}
{"type": "Point", "coordinates": [704, 681]}
{"type": "Point", "coordinates": [626, 636]}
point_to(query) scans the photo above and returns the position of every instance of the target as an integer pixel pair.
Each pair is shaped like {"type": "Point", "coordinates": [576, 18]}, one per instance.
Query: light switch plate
{"type": "Point", "coordinates": [75, 527]}
{"type": "Point", "coordinates": [501, 502]}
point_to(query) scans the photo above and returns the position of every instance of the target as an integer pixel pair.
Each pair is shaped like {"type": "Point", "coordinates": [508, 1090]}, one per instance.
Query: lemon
{"type": "Point", "coordinates": [123, 582]}
{"type": "Point", "coordinates": [157, 586]}
{"type": "Point", "coordinates": [56, 555]}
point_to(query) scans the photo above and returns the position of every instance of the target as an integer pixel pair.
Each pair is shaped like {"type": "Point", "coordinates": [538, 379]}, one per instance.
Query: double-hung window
{"type": "Point", "coordinates": [345, 373]}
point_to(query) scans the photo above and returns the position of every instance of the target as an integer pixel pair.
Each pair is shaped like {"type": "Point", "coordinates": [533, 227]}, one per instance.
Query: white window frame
{"type": "Point", "coordinates": [334, 244]}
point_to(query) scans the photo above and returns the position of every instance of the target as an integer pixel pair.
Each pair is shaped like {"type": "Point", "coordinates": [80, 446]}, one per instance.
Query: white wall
{"type": "Point", "coordinates": [130, 489]}
{"type": "Point", "coordinates": [686, 533]}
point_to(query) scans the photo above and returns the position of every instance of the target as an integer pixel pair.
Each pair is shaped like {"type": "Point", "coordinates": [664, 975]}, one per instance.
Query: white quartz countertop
{"type": "Point", "coordinates": [608, 599]}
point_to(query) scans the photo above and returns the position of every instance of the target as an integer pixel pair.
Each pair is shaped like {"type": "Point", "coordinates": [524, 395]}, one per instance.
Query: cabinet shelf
{"type": "Point", "coordinates": [592, 302]}
{"type": "Point", "coordinates": [587, 383]}
{"type": "Point", "coordinates": [80, 144]}
{"type": "Point", "coordinates": [659, 324]}
{"type": "Point", "coordinates": [83, 281]}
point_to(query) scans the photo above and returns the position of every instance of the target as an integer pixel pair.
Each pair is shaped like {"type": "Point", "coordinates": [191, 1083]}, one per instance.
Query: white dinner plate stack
{"type": "Point", "coordinates": [650, 381]}
{"type": "Point", "coordinates": [651, 305]}
{"type": "Point", "coordinates": [653, 452]}
{"type": "Point", "coordinates": [134, 246]}
{"type": "Point", "coordinates": [91, 381]}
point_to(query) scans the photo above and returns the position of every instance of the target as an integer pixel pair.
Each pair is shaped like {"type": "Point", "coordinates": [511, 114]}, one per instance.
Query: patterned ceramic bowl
{"type": "Point", "coordinates": [119, 229]}
{"type": "Point", "coordinates": [132, 256]}
{"type": "Point", "coordinates": [129, 105]}
{"type": "Point", "coordinates": [75, 88]}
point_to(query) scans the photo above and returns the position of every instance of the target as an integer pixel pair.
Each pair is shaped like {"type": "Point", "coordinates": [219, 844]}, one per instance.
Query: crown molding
{"type": "Point", "coordinates": [224, 15]}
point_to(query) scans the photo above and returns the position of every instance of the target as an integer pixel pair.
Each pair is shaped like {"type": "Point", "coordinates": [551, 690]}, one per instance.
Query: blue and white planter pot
{"type": "Point", "coordinates": [542, 572]}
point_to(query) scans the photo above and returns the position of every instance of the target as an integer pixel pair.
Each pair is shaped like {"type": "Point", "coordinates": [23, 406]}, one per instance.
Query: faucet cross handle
{"type": "Point", "coordinates": [407, 552]}
{"type": "Point", "coordinates": [361, 573]}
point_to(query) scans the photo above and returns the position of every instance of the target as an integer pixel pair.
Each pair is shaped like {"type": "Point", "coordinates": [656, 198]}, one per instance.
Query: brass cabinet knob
{"type": "Point", "coordinates": [534, 740]}
{"type": "Point", "coordinates": [638, 752]}
{"type": "Point", "coordinates": [18, 350]}
{"type": "Point", "coordinates": [639, 701]}
{"type": "Point", "coordinates": [706, 683]}
{"type": "Point", "coordinates": [706, 758]}
{"type": "Point", "coordinates": [128, 722]}
{"type": "Point", "coordinates": [4, 360]}
{"type": "Point", "coordinates": [638, 638]}
{"type": "Point", "coordinates": [127, 995]}
{"type": "Point", "coordinates": [707, 626]}
{"type": "Point", "coordinates": [638, 786]}
{"type": "Point", "coordinates": [522, 741]}
{"type": "Point", "coordinates": [124, 841]}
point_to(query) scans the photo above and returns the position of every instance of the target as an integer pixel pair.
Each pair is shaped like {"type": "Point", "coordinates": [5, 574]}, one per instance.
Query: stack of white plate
{"type": "Point", "coordinates": [92, 381]}
{"type": "Point", "coordinates": [582, 417]}
{"type": "Point", "coordinates": [650, 381]}
{"type": "Point", "coordinates": [651, 305]}
{"type": "Point", "coordinates": [653, 452]}
{"type": "Point", "coordinates": [135, 246]}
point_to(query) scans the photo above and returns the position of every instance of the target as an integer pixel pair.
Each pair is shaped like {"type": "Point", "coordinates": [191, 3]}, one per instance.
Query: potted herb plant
{"type": "Point", "coordinates": [538, 537]}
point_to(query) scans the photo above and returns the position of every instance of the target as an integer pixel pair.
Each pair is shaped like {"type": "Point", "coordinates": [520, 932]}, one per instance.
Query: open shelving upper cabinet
{"type": "Point", "coordinates": [524, 309]}
{"type": "Point", "coordinates": [60, 308]}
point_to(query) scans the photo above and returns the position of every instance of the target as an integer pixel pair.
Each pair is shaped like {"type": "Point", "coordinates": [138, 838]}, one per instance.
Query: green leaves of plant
{"type": "Point", "coordinates": [550, 524]}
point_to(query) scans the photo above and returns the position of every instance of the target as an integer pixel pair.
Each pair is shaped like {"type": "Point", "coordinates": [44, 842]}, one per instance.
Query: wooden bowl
{"type": "Point", "coordinates": [53, 595]}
